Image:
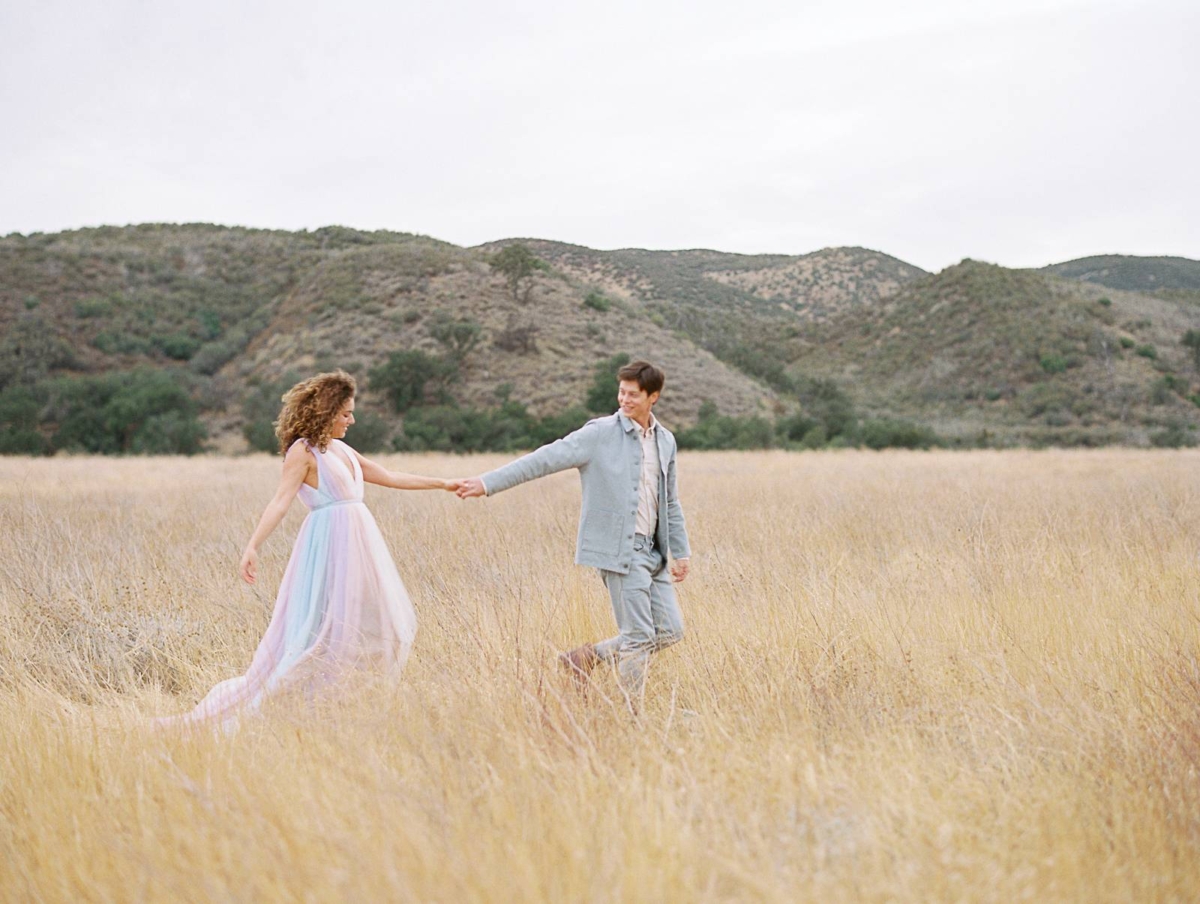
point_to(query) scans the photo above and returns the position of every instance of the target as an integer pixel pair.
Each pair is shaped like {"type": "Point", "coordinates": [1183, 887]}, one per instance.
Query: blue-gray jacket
{"type": "Point", "coordinates": [608, 454]}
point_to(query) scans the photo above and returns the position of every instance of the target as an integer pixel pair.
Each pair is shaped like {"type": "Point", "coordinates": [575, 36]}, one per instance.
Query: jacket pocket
{"type": "Point", "coordinates": [600, 531]}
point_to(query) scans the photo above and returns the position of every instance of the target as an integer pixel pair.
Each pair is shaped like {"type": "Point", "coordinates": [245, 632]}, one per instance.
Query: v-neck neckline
{"type": "Point", "coordinates": [342, 460]}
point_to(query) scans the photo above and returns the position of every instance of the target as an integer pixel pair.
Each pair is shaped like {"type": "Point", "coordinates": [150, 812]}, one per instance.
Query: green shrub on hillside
{"type": "Point", "coordinates": [597, 302]}
{"type": "Point", "coordinates": [93, 307]}
{"type": "Point", "coordinates": [177, 346]}
{"type": "Point", "coordinates": [1053, 364]}
{"type": "Point", "coordinates": [508, 428]}
{"type": "Point", "coordinates": [1147, 351]}
{"type": "Point", "coordinates": [1175, 435]}
{"type": "Point", "coordinates": [601, 396]}
{"type": "Point", "coordinates": [457, 336]}
{"type": "Point", "coordinates": [121, 342]}
{"type": "Point", "coordinates": [142, 411]}
{"type": "Point", "coordinates": [19, 410]}
{"type": "Point", "coordinates": [369, 433]}
{"type": "Point", "coordinates": [261, 407]}
{"type": "Point", "coordinates": [30, 350]}
{"type": "Point", "coordinates": [1191, 340]}
{"type": "Point", "coordinates": [406, 376]}
{"type": "Point", "coordinates": [1166, 388]}
{"type": "Point", "coordinates": [885, 433]}
{"type": "Point", "coordinates": [716, 431]}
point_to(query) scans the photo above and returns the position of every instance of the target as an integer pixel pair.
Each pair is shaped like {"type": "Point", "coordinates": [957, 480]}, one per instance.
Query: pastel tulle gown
{"type": "Point", "coordinates": [341, 606]}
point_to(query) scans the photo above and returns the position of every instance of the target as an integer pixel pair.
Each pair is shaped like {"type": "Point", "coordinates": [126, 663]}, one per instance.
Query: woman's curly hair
{"type": "Point", "coordinates": [309, 408]}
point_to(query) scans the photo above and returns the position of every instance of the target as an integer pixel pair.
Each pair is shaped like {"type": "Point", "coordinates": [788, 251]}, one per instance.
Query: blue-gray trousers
{"type": "Point", "coordinates": [647, 614]}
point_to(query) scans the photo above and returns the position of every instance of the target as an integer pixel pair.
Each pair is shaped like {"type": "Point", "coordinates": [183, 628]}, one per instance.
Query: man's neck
{"type": "Point", "coordinates": [647, 423]}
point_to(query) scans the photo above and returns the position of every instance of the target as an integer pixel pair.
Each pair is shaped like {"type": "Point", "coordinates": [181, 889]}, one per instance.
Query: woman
{"type": "Point", "coordinates": [342, 604]}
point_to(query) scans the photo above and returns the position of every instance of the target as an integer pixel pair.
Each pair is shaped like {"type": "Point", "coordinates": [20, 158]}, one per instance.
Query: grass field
{"type": "Point", "coordinates": [907, 677]}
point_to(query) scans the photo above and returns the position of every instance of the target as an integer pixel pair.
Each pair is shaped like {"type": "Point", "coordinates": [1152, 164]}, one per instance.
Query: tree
{"type": "Point", "coordinates": [1191, 339]}
{"type": "Point", "coordinates": [458, 336]}
{"type": "Point", "coordinates": [405, 375]}
{"type": "Point", "coordinates": [518, 265]}
{"type": "Point", "coordinates": [19, 409]}
{"type": "Point", "coordinates": [602, 394]}
{"type": "Point", "coordinates": [143, 411]}
{"type": "Point", "coordinates": [517, 337]}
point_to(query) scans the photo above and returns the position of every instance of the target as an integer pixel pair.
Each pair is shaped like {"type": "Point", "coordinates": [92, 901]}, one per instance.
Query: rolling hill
{"type": "Point", "coordinates": [1080, 352]}
{"type": "Point", "coordinates": [1135, 274]}
{"type": "Point", "coordinates": [235, 309]}
{"type": "Point", "coordinates": [1023, 355]}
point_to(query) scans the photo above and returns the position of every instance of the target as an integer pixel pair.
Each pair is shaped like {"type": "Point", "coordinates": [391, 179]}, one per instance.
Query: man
{"type": "Point", "coordinates": [630, 521]}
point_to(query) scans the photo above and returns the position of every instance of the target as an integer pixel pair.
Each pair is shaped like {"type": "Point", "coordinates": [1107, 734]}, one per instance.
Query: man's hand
{"type": "Point", "coordinates": [454, 485]}
{"type": "Point", "coordinates": [470, 486]}
{"type": "Point", "coordinates": [679, 569]}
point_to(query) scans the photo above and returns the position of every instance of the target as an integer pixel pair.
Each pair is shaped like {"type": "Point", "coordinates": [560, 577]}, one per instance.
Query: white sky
{"type": "Point", "coordinates": [1019, 132]}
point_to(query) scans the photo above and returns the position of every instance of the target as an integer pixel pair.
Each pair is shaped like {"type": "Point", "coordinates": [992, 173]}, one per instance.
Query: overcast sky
{"type": "Point", "coordinates": [1017, 132]}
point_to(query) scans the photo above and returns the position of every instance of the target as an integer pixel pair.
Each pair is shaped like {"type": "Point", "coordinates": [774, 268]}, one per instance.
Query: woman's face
{"type": "Point", "coordinates": [343, 419]}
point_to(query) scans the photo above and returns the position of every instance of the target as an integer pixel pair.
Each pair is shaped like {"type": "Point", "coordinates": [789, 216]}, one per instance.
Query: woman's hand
{"type": "Point", "coordinates": [453, 485]}
{"type": "Point", "coordinates": [249, 565]}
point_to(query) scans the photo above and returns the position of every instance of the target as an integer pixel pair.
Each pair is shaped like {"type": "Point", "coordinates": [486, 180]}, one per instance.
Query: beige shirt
{"type": "Point", "coordinates": [647, 510]}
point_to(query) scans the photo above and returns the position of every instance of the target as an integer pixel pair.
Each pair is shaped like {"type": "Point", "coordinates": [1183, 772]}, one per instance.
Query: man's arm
{"type": "Point", "coordinates": [676, 527]}
{"type": "Point", "coordinates": [572, 451]}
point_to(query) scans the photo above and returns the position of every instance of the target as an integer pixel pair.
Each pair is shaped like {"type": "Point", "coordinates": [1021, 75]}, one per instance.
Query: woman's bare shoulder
{"type": "Point", "coordinates": [299, 451]}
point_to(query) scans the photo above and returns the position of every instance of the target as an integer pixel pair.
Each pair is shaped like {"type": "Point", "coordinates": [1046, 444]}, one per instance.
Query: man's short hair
{"type": "Point", "coordinates": [649, 378]}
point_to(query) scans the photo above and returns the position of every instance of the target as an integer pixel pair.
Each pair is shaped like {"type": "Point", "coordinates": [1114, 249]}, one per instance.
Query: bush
{"type": "Point", "coordinates": [457, 336]}
{"type": "Point", "coordinates": [145, 411]}
{"type": "Point", "coordinates": [369, 433]}
{"type": "Point", "coordinates": [886, 433]}
{"type": "Point", "coordinates": [1166, 388]}
{"type": "Point", "coordinates": [1106, 302]}
{"type": "Point", "coordinates": [177, 346]}
{"type": "Point", "coordinates": [23, 442]}
{"type": "Point", "coordinates": [1191, 340]}
{"type": "Point", "coordinates": [825, 402]}
{"type": "Point", "coordinates": [1174, 436]}
{"type": "Point", "coordinates": [120, 342]}
{"type": "Point", "coordinates": [1053, 364]}
{"type": "Point", "coordinates": [517, 337]}
{"type": "Point", "coordinates": [403, 378]}
{"type": "Point", "coordinates": [19, 408]}
{"type": "Point", "coordinates": [1126, 342]}
{"type": "Point", "coordinates": [597, 302]}
{"type": "Point", "coordinates": [721, 432]}
{"type": "Point", "coordinates": [30, 350]}
{"type": "Point", "coordinates": [212, 356]}
{"type": "Point", "coordinates": [260, 408]}
{"type": "Point", "coordinates": [170, 433]}
{"type": "Point", "coordinates": [93, 307]}
{"type": "Point", "coordinates": [1147, 351]}
{"type": "Point", "coordinates": [601, 396]}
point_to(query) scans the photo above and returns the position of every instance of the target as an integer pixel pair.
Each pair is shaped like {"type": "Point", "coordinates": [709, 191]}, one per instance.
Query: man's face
{"type": "Point", "coordinates": [635, 402]}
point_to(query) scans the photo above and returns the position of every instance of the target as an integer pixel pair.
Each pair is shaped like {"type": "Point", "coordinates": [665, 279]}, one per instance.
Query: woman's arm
{"type": "Point", "coordinates": [295, 469]}
{"type": "Point", "coordinates": [381, 476]}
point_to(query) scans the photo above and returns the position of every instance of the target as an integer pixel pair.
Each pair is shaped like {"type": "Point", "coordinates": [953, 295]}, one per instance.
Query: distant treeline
{"type": "Point", "coordinates": [156, 411]}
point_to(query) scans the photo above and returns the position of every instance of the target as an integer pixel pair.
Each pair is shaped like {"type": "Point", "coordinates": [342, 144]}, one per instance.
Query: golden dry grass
{"type": "Point", "coordinates": [907, 677]}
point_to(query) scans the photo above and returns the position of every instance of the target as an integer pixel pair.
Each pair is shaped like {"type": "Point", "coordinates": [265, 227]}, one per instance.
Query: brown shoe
{"type": "Point", "coordinates": [579, 662]}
